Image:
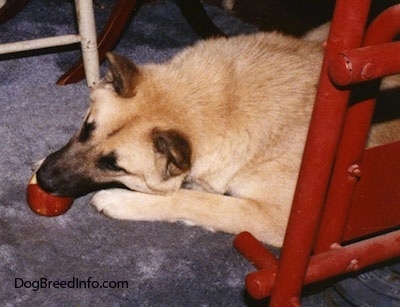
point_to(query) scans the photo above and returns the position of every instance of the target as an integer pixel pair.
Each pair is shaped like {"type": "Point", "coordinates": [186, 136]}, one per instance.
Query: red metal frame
{"type": "Point", "coordinates": [344, 191]}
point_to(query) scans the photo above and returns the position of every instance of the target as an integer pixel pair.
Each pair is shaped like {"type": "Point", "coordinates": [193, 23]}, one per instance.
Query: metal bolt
{"type": "Point", "coordinates": [335, 246]}
{"type": "Point", "coordinates": [354, 170]}
{"type": "Point", "coordinates": [353, 265]}
{"type": "Point", "coordinates": [368, 71]}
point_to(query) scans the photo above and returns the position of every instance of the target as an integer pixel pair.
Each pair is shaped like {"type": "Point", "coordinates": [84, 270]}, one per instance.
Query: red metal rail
{"type": "Point", "coordinates": [349, 258]}
{"type": "Point", "coordinates": [363, 64]}
{"type": "Point", "coordinates": [329, 195]}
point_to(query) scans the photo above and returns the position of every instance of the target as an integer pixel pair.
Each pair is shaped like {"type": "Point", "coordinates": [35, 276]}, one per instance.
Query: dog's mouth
{"type": "Point", "coordinates": [79, 189]}
{"type": "Point", "coordinates": [51, 180]}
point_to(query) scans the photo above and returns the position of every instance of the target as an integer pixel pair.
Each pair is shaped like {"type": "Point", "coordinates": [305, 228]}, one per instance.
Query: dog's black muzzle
{"type": "Point", "coordinates": [55, 177]}
{"type": "Point", "coordinates": [65, 173]}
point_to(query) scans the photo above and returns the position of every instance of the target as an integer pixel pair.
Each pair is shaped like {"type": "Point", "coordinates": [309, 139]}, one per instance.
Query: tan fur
{"type": "Point", "coordinates": [239, 107]}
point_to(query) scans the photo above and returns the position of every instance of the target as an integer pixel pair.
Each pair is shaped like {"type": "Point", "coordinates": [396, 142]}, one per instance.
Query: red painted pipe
{"type": "Point", "coordinates": [254, 251]}
{"type": "Point", "coordinates": [330, 117]}
{"type": "Point", "coordinates": [367, 63]}
{"type": "Point", "coordinates": [355, 132]}
{"type": "Point", "coordinates": [346, 32]}
{"type": "Point", "coordinates": [384, 28]}
{"type": "Point", "coordinates": [336, 261]}
{"type": "Point", "coordinates": [364, 64]}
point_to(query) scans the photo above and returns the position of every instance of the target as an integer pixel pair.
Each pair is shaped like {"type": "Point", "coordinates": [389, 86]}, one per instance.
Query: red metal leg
{"type": "Point", "coordinates": [358, 120]}
{"type": "Point", "coordinates": [333, 164]}
{"type": "Point", "coordinates": [364, 64]}
{"type": "Point", "coordinates": [336, 261]}
{"type": "Point", "coordinates": [328, 119]}
{"type": "Point", "coordinates": [385, 27]}
{"type": "Point", "coordinates": [254, 251]}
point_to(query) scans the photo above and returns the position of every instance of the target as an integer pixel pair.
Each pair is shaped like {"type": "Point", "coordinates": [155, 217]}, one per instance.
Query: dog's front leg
{"type": "Point", "coordinates": [212, 211]}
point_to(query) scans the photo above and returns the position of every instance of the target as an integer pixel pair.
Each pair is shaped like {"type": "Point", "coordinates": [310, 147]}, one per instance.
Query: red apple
{"type": "Point", "coordinates": [44, 203]}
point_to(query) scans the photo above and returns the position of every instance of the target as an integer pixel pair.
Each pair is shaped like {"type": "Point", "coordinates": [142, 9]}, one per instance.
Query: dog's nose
{"type": "Point", "coordinates": [45, 177]}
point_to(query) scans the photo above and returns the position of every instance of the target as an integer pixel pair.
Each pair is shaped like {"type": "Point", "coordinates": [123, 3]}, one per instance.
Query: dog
{"type": "Point", "coordinates": [212, 137]}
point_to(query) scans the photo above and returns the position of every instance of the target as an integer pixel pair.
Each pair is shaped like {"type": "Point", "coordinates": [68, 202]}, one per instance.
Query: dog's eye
{"type": "Point", "coordinates": [86, 131]}
{"type": "Point", "coordinates": [109, 163]}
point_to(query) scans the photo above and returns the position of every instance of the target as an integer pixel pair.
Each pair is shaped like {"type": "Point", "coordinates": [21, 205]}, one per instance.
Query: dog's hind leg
{"type": "Point", "coordinates": [212, 211]}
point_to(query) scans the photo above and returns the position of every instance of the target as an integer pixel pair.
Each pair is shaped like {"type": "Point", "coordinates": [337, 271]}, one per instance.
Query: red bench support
{"type": "Point", "coordinates": [344, 191]}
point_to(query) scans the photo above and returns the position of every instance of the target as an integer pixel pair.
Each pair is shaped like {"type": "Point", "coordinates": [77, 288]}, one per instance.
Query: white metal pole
{"type": "Point", "coordinates": [87, 31]}
{"type": "Point", "coordinates": [39, 43]}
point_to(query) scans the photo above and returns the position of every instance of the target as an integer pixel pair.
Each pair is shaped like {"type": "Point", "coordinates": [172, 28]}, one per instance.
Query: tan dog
{"type": "Point", "coordinates": [214, 137]}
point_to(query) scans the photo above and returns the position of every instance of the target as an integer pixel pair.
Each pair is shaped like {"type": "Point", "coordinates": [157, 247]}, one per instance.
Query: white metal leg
{"type": "Point", "coordinates": [39, 43]}
{"type": "Point", "coordinates": [87, 38]}
{"type": "Point", "coordinates": [87, 30]}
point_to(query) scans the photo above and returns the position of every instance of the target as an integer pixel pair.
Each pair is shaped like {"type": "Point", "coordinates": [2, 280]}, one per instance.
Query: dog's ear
{"type": "Point", "coordinates": [173, 150]}
{"type": "Point", "coordinates": [123, 75]}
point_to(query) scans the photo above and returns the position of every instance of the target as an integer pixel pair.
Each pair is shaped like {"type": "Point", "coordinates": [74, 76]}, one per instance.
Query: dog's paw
{"type": "Point", "coordinates": [112, 202]}
{"type": "Point", "coordinates": [129, 205]}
